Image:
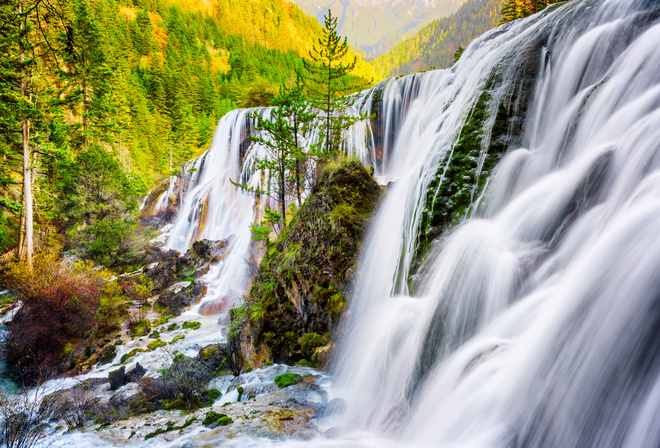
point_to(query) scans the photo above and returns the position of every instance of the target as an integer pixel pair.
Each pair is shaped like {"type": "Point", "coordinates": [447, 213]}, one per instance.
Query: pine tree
{"type": "Point", "coordinates": [283, 135]}
{"type": "Point", "coordinates": [295, 107]}
{"type": "Point", "coordinates": [328, 82]}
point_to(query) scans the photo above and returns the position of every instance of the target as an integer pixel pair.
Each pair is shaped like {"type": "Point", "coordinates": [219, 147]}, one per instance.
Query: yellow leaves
{"type": "Point", "coordinates": [155, 19]}
{"type": "Point", "coordinates": [127, 13]}
{"type": "Point", "coordinates": [144, 62]}
{"type": "Point", "coordinates": [204, 6]}
{"type": "Point", "coordinates": [159, 33]}
{"type": "Point", "coordinates": [219, 60]}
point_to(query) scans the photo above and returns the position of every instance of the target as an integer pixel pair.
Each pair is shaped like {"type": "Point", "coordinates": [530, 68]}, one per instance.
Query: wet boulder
{"type": "Point", "coordinates": [117, 378]}
{"type": "Point", "coordinates": [166, 268]}
{"type": "Point", "coordinates": [181, 295]}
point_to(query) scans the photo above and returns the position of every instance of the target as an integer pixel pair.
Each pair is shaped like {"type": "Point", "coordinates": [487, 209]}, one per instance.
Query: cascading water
{"type": "Point", "coordinates": [534, 322]}
{"type": "Point", "coordinates": [508, 289]}
{"type": "Point", "coordinates": [214, 208]}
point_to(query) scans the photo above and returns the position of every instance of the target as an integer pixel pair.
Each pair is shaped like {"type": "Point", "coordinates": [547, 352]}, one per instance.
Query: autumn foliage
{"type": "Point", "coordinates": [63, 305]}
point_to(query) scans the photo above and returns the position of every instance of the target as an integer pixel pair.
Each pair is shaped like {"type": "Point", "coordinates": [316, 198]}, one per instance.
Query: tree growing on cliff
{"type": "Point", "coordinates": [283, 137]}
{"type": "Point", "coordinates": [328, 80]}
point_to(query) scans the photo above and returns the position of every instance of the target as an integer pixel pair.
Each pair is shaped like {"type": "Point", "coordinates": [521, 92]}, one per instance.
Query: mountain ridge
{"type": "Point", "coordinates": [434, 46]}
{"type": "Point", "coordinates": [374, 26]}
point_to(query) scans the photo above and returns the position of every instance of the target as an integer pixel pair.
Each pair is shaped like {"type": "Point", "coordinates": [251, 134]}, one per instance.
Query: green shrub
{"type": "Point", "coordinates": [185, 378]}
{"type": "Point", "coordinates": [139, 327]}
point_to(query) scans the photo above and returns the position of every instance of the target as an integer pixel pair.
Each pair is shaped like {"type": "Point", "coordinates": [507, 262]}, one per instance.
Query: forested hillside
{"type": "Point", "coordinates": [435, 45]}
{"type": "Point", "coordinates": [376, 26]}
{"type": "Point", "coordinates": [140, 85]}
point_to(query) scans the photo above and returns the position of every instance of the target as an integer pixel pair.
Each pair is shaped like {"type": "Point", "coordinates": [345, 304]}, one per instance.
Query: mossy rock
{"type": "Point", "coordinates": [481, 143]}
{"type": "Point", "coordinates": [287, 379]}
{"type": "Point", "coordinates": [213, 395]}
{"type": "Point", "coordinates": [304, 363]}
{"type": "Point", "coordinates": [302, 280]}
{"type": "Point", "coordinates": [177, 338]}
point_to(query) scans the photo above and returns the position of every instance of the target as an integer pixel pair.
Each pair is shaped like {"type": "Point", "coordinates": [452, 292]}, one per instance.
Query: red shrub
{"type": "Point", "coordinates": [60, 301]}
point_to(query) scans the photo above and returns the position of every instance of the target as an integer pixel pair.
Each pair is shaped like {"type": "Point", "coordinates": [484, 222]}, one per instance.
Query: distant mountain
{"type": "Point", "coordinates": [434, 45]}
{"type": "Point", "coordinates": [375, 26]}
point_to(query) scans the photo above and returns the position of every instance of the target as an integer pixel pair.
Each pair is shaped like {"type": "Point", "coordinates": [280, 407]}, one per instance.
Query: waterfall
{"type": "Point", "coordinates": [507, 292]}
{"type": "Point", "coordinates": [531, 318]}
{"type": "Point", "coordinates": [214, 208]}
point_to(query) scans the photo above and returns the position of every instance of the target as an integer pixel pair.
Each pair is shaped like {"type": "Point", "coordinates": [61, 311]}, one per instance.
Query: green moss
{"type": "Point", "coordinates": [287, 379]}
{"type": "Point", "coordinates": [163, 320]}
{"type": "Point", "coordinates": [311, 341]}
{"type": "Point", "coordinates": [268, 363]}
{"type": "Point", "coordinates": [224, 421]}
{"type": "Point", "coordinates": [155, 344]}
{"type": "Point", "coordinates": [172, 327]}
{"type": "Point", "coordinates": [177, 338]}
{"type": "Point", "coordinates": [191, 325]}
{"type": "Point", "coordinates": [213, 395]}
{"type": "Point", "coordinates": [249, 369]}
{"type": "Point", "coordinates": [125, 357]}
{"type": "Point", "coordinates": [154, 334]}
{"type": "Point", "coordinates": [213, 417]}
{"type": "Point", "coordinates": [304, 363]}
{"type": "Point", "coordinates": [170, 427]}
{"type": "Point", "coordinates": [177, 403]}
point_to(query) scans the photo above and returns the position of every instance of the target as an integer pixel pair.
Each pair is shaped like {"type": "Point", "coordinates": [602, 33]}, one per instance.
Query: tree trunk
{"type": "Point", "coordinates": [282, 192]}
{"type": "Point", "coordinates": [297, 155]}
{"type": "Point", "coordinates": [27, 249]}
{"type": "Point", "coordinates": [84, 112]}
{"type": "Point", "coordinates": [180, 169]}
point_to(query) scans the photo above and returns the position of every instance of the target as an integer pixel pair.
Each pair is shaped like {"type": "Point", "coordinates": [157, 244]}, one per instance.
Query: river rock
{"type": "Point", "coordinates": [335, 407]}
{"type": "Point", "coordinates": [136, 374]}
{"type": "Point", "coordinates": [119, 378]}
{"type": "Point", "coordinates": [181, 295]}
{"type": "Point", "coordinates": [172, 267]}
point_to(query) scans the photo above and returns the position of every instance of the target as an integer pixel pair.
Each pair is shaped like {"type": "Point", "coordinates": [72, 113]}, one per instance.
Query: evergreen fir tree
{"type": "Point", "coordinates": [328, 82]}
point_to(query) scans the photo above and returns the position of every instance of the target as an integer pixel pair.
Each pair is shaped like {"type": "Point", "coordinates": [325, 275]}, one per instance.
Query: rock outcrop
{"type": "Point", "coordinates": [298, 294]}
